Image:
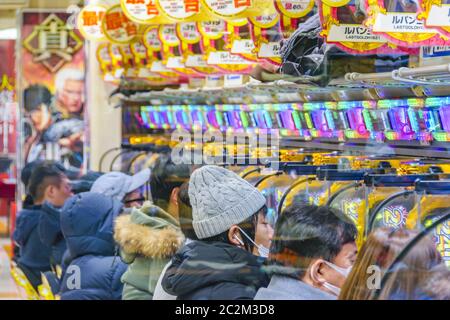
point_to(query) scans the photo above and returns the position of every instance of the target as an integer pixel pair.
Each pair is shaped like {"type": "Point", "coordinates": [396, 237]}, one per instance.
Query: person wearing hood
{"type": "Point", "coordinates": [48, 186]}
{"type": "Point", "coordinates": [94, 272]}
{"type": "Point", "coordinates": [220, 266]}
{"type": "Point", "coordinates": [125, 188]}
{"type": "Point", "coordinates": [312, 252]}
{"type": "Point", "coordinates": [151, 235]}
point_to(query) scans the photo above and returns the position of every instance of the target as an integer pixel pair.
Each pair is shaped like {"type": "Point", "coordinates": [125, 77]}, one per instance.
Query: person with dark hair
{"type": "Point", "coordinates": [87, 223]}
{"type": "Point", "coordinates": [49, 187]}
{"type": "Point", "coordinates": [312, 252]}
{"type": "Point", "coordinates": [165, 181]}
{"type": "Point", "coordinates": [221, 264]}
{"type": "Point", "coordinates": [185, 219]}
{"type": "Point", "coordinates": [25, 175]}
{"type": "Point", "coordinates": [151, 235]}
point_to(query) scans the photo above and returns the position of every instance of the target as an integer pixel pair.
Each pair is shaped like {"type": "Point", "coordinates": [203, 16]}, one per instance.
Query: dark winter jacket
{"type": "Point", "coordinates": [214, 271]}
{"type": "Point", "coordinates": [50, 232]}
{"type": "Point", "coordinates": [94, 272]}
{"type": "Point", "coordinates": [34, 254]}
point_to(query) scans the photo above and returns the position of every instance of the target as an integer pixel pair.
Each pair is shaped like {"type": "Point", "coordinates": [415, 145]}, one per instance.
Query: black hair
{"type": "Point", "coordinates": [248, 226]}
{"type": "Point", "coordinates": [44, 174]}
{"type": "Point", "coordinates": [185, 212]}
{"type": "Point", "coordinates": [305, 232]}
{"type": "Point", "coordinates": [34, 96]}
{"type": "Point", "coordinates": [25, 175]}
{"type": "Point", "coordinates": [165, 177]}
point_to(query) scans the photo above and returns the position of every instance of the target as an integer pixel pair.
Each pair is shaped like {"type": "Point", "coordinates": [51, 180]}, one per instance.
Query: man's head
{"type": "Point", "coordinates": [70, 90]}
{"type": "Point", "coordinates": [49, 183]}
{"type": "Point", "coordinates": [225, 207]}
{"type": "Point", "coordinates": [123, 187]}
{"type": "Point", "coordinates": [36, 101]}
{"type": "Point", "coordinates": [316, 245]}
{"type": "Point", "coordinates": [165, 182]}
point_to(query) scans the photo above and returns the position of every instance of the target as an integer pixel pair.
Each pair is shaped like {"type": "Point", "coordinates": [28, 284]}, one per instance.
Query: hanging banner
{"type": "Point", "coordinates": [105, 61]}
{"type": "Point", "coordinates": [398, 22]}
{"type": "Point", "coordinates": [343, 26]}
{"type": "Point", "coordinates": [266, 35]}
{"type": "Point", "coordinates": [118, 28]}
{"type": "Point", "coordinates": [192, 49]}
{"type": "Point", "coordinates": [179, 10]}
{"type": "Point", "coordinates": [140, 11]}
{"type": "Point", "coordinates": [89, 22]}
{"type": "Point", "coordinates": [436, 15]}
{"type": "Point", "coordinates": [52, 89]}
{"type": "Point", "coordinates": [239, 39]}
{"type": "Point", "coordinates": [237, 9]}
{"type": "Point", "coordinates": [292, 13]}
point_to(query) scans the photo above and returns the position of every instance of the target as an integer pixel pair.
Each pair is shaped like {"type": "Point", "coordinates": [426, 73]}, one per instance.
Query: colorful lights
{"type": "Point", "coordinates": [400, 119]}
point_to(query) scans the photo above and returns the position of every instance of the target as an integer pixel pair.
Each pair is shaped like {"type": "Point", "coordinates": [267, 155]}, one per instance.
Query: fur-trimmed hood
{"type": "Point", "coordinates": [148, 231]}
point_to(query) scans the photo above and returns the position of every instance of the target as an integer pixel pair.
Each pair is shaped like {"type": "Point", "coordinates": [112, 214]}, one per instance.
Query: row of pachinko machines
{"type": "Point", "coordinates": [372, 191]}
{"type": "Point", "coordinates": [424, 120]}
{"type": "Point", "coordinates": [378, 195]}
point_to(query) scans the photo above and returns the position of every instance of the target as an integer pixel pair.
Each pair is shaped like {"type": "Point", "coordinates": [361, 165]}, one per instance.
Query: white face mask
{"type": "Point", "coordinates": [335, 290]}
{"type": "Point", "coordinates": [343, 271]}
{"type": "Point", "coordinates": [262, 251]}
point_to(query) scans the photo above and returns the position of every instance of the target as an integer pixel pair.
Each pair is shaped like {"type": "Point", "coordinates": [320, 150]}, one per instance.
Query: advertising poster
{"type": "Point", "coordinates": [52, 88]}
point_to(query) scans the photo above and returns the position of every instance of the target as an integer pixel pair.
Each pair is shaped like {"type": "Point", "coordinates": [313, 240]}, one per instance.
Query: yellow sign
{"type": "Point", "coordinates": [90, 22]}
{"type": "Point", "coordinates": [117, 27]}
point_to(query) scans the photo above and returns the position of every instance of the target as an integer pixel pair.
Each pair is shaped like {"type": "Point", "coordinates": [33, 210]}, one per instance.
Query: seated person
{"type": "Point", "coordinates": [311, 255]}
{"type": "Point", "coordinates": [48, 184]}
{"type": "Point", "coordinates": [221, 265]}
{"type": "Point", "coordinates": [151, 235]}
{"type": "Point", "coordinates": [87, 222]}
{"type": "Point", "coordinates": [123, 187]}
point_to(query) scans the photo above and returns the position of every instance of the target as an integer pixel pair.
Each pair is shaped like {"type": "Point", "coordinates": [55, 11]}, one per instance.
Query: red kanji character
{"type": "Point", "coordinates": [151, 8]}
{"type": "Point", "coordinates": [135, 1]}
{"type": "Point", "coordinates": [113, 20]}
{"type": "Point", "coordinates": [131, 29]}
{"type": "Point", "coordinates": [191, 5]}
{"type": "Point", "coordinates": [90, 18]}
{"type": "Point", "coordinates": [242, 3]}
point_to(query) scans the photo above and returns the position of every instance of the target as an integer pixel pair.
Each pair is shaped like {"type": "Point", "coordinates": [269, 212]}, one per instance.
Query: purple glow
{"type": "Point", "coordinates": [444, 113]}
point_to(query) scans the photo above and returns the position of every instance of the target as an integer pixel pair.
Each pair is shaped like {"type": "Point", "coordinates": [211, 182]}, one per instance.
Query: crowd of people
{"type": "Point", "coordinates": [201, 233]}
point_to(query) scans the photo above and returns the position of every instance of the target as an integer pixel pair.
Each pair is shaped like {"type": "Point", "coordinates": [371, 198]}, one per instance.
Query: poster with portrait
{"type": "Point", "coordinates": [52, 88]}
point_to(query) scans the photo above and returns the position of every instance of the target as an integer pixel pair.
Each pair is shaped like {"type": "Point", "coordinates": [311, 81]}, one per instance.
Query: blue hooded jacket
{"type": "Point", "coordinates": [94, 272]}
{"type": "Point", "coordinates": [50, 232]}
{"type": "Point", "coordinates": [33, 253]}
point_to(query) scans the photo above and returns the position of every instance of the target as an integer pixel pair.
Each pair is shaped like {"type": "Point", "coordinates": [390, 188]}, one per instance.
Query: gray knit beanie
{"type": "Point", "coordinates": [219, 199]}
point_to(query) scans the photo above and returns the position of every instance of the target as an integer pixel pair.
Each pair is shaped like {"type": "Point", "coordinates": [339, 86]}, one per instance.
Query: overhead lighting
{"type": "Point", "coordinates": [8, 34]}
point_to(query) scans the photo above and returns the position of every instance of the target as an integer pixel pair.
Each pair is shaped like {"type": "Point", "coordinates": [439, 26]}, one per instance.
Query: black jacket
{"type": "Point", "coordinates": [214, 271]}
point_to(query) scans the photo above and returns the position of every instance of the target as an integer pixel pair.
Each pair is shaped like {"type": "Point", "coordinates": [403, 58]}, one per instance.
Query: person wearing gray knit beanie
{"type": "Point", "coordinates": [222, 264]}
{"type": "Point", "coordinates": [220, 199]}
